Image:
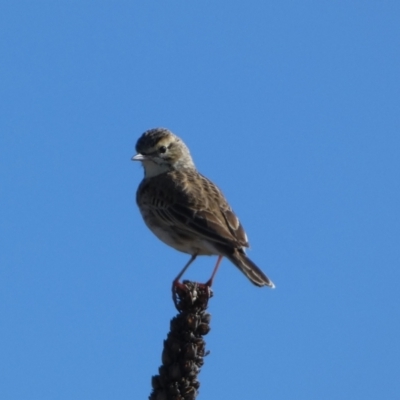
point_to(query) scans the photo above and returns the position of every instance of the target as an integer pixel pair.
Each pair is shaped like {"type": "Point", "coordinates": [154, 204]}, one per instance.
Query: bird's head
{"type": "Point", "coordinates": [160, 151]}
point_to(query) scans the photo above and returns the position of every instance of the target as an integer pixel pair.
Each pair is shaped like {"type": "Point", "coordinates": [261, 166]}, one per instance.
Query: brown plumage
{"type": "Point", "coordinates": [186, 210]}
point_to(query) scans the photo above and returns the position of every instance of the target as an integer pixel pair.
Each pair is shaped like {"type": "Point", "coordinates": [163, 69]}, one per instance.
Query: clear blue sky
{"type": "Point", "coordinates": [291, 107]}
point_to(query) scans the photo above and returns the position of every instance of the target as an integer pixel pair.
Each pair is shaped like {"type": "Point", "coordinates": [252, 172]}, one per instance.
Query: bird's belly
{"type": "Point", "coordinates": [184, 243]}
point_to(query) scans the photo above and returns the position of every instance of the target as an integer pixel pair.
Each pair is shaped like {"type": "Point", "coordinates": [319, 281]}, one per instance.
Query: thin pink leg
{"type": "Point", "coordinates": [210, 281]}
{"type": "Point", "coordinates": [176, 280]}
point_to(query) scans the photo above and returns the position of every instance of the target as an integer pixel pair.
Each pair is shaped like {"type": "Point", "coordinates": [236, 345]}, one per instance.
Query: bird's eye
{"type": "Point", "coordinates": [162, 149]}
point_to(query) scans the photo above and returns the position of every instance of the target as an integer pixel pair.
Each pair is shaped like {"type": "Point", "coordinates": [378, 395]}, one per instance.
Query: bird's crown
{"type": "Point", "coordinates": [151, 139]}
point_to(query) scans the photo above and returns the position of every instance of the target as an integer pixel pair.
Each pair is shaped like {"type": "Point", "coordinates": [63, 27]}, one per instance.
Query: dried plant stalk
{"type": "Point", "coordinates": [184, 349]}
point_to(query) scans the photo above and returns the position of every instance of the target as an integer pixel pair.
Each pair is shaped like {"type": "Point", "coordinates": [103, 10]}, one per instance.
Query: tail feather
{"type": "Point", "coordinates": [255, 275]}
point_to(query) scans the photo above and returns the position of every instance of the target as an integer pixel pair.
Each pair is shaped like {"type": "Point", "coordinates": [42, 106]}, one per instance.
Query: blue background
{"type": "Point", "coordinates": [291, 107]}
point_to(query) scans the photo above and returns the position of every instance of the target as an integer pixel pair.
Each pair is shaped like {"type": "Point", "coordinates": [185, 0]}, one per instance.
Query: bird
{"type": "Point", "coordinates": [186, 210]}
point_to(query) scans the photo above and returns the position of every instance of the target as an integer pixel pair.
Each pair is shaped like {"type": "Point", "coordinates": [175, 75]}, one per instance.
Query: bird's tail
{"type": "Point", "coordinates": [250, 269]}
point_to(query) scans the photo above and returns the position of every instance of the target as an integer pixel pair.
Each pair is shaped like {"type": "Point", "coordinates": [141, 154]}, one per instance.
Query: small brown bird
{"type": "Point", "coordinates": [186, 210]}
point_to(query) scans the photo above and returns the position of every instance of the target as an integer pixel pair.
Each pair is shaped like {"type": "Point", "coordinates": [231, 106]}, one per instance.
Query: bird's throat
{"type": "Point", "coordinates": [152, 169]}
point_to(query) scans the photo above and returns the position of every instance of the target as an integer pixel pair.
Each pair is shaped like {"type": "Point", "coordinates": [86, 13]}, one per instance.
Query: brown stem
{"type": "Point", "coordinates": [184, 349]}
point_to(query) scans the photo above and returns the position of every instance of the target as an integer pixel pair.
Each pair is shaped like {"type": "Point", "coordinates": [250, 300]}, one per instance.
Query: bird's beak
{"type": "Point", "coordinates": [139, 157]}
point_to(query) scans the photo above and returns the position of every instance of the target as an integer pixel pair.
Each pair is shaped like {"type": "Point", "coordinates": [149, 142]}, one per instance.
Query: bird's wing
{"type": "Point", "coordinates": [194, 206]}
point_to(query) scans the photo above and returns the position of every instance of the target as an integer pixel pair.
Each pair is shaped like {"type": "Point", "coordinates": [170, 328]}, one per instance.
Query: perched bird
{"type": "Point", "coordinates": [186, 210]}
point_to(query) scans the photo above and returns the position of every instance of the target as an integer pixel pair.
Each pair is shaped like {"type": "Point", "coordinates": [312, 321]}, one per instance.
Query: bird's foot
{"type": "Point", "coordinates": [178, 288]}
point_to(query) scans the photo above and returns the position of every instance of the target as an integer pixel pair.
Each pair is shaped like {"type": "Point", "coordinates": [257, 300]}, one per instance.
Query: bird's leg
{"type": "Point", "coordinates": [210, 281]}
{"type": "Point", "coordinates": [176, 283]}
{"type": "Point", "coordinates": [176, 280]}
